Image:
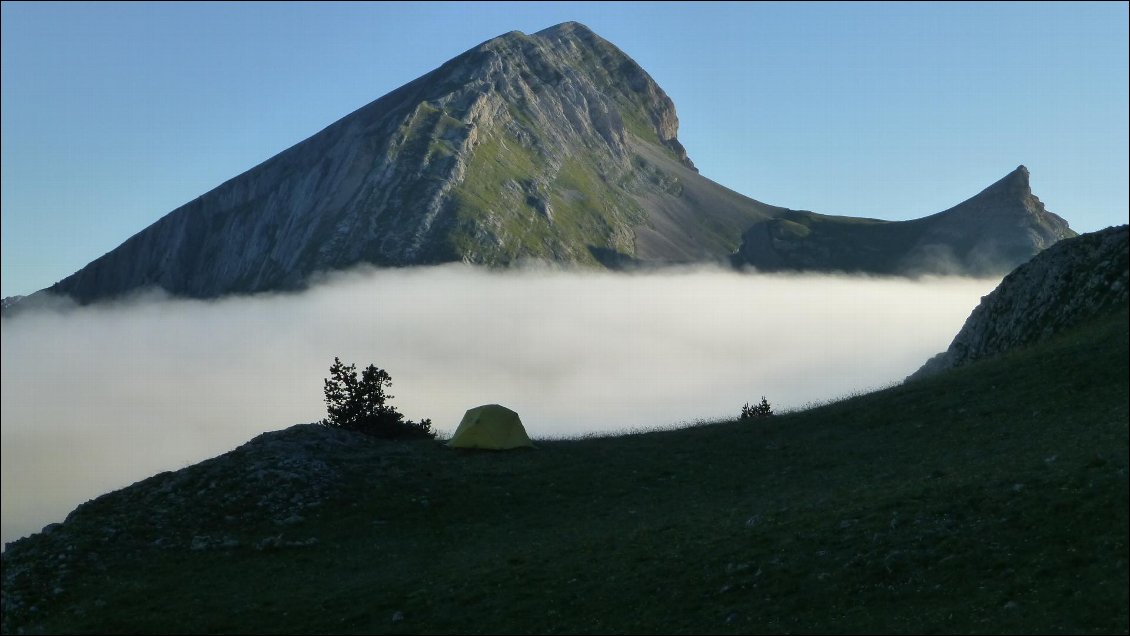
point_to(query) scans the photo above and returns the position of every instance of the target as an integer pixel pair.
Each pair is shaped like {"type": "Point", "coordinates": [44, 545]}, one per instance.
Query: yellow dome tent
{"type": "Point", "coordinates": [492, 427]}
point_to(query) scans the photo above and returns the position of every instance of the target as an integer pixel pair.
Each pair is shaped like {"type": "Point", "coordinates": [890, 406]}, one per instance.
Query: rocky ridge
{"type": "Point", "coordinates": [1066, 285]}
{"type": "Point", "coordinates": [991, 233]}
{"type": "Point", "coordinates": [9, 302]}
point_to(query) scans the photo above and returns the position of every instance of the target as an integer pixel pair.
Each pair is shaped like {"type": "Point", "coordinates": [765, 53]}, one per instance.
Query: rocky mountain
{"type": "Point", "coordinates": [554, 146]}
{"type": "Point", "coordinates": [991, 233]}
{"type": "Point", "coordinates": [1068, 284]}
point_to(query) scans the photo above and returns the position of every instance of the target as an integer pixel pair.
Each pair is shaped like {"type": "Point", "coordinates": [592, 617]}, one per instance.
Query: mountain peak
{"type": "Point", "coordinates": [554, 146]}
{"type": "Point", "coordinates": [566, 30]}
{"type": "Point", "coordinates": [566, 27]}
{"type": "Point", "coordinates": [1019, 178]}
{"type": "Point", "coordinates": [1015, 183]}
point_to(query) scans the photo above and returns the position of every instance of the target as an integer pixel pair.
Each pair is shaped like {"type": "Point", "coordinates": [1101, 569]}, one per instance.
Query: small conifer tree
{"type": "Point", "coordinates": [360, 404]}
{"type": "Point", "coordinates": [758, 410]}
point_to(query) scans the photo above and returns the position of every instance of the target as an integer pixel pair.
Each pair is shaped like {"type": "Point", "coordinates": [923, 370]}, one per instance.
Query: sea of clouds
{"type": "Point", "coordinates": [96, 398]}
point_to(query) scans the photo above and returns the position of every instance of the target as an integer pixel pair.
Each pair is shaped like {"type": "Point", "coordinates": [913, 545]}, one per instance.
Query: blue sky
{"type": "Point", "coordinates": [115, 114]}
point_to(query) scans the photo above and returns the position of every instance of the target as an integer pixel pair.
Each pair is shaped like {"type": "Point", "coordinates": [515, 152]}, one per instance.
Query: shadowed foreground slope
{"type": "Point", "coordinates": [991, 498]}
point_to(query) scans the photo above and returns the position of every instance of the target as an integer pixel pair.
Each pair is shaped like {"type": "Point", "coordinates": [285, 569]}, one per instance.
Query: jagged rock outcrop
{"type": "Point", "coordinates": [9, 302]}
{"type": "Point", "coordinates": [991, 233]}
{"type": "Point", "coordinates": [1071, 282]}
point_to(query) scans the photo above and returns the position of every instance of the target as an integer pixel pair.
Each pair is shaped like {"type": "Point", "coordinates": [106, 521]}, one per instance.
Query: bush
{"type": "Point", "coordinates": [760, 410]}
{"type": "Point", "coordinates": [359, 404]}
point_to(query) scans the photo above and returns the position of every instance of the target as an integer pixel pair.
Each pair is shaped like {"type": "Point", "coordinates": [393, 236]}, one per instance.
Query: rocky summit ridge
{"type": "Point", "coordinates": [555, 146]}
{"type": "Point", "coordinates": [992, 232]}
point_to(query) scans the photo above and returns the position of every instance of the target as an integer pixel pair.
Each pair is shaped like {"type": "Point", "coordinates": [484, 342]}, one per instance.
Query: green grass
{"type": "Point", "coordinates": [590, 210]}
{"type": "Point", "coordinates": [792, 229]}
{"type": "Point", "coordinates": [639, 124]}
{"type": "Point", "coordinates": [498, 224]}
{"type": "Point", "coordinates": [989, 499]}
{"type": "Point", "coordinates": [497, 160]}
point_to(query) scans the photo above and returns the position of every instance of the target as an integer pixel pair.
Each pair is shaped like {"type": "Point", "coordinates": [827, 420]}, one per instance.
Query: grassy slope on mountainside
{"type": "Point", "coordinates": [988, 499]}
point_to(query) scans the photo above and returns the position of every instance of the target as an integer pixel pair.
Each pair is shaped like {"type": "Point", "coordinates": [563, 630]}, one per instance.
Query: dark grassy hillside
{"type": "Point", "coordinates": [992, 498]}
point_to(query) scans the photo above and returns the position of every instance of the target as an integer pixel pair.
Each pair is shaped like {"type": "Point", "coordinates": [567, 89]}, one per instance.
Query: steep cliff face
{"type": "Point", "coordinates": [991, 233]}
{"type": "Point", "coordinates": [1073, 281]}
{"type": "Point", "coordinates": [551, 146]}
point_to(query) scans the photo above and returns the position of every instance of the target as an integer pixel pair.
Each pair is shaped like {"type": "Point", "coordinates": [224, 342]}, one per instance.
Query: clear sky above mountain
{"type": "Point", "coordinates": [115, 114]}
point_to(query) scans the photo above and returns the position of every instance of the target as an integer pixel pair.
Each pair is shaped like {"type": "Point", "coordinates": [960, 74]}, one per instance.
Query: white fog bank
{"type": "Point", "coordinates": [97, 398]}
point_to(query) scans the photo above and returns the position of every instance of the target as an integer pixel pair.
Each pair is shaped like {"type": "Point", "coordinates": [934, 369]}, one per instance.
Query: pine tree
{"type": "Point", "coordinates": [763, 409]}
{"type": "Point", "coordinates": [759, 410]}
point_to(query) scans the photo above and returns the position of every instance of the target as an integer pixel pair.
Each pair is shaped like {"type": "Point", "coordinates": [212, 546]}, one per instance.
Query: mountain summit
{"type": "Point", "coordinates": [554, 146]}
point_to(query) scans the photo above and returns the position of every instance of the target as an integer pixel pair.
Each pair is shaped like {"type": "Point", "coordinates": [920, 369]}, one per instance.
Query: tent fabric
{"type": "Point", "coordinates": [491, 427]}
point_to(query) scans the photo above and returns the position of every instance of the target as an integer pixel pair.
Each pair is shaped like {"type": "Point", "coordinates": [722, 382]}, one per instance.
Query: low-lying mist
{"type": "Point", "coordinates": [96, 398]}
